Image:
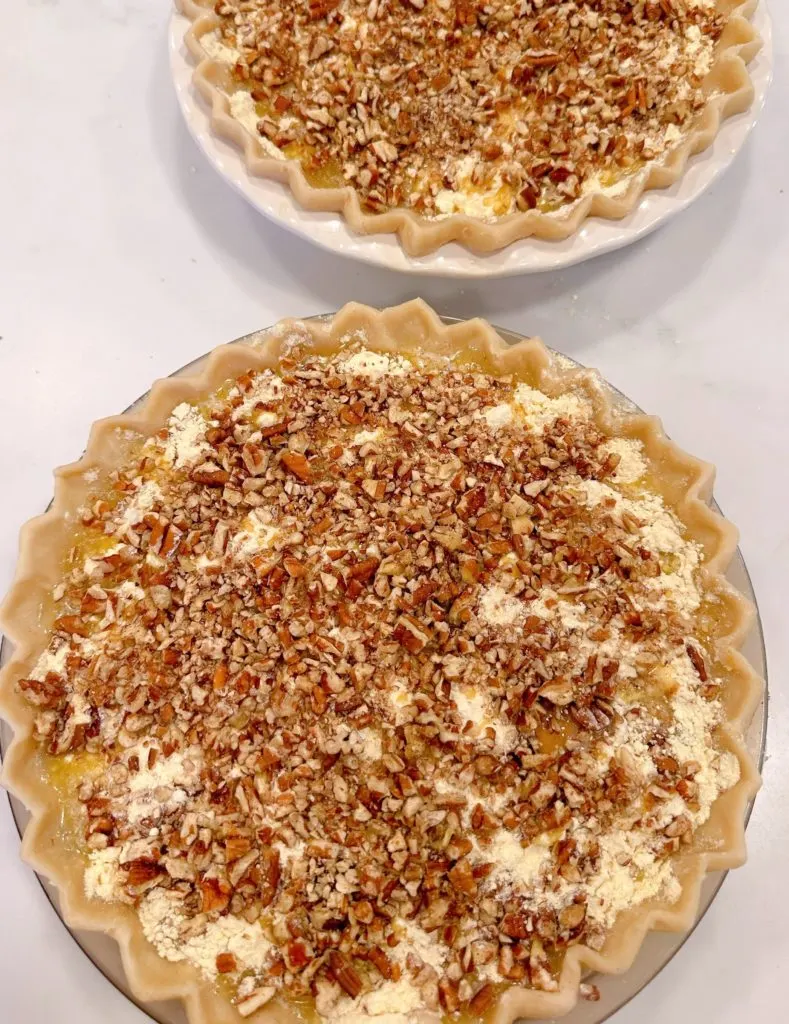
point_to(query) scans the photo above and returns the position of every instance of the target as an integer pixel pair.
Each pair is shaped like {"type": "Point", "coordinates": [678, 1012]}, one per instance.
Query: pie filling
{"type": "Point", "coordinates": [376, 685]}
{"type": "Point", "coordinates": [451, 106]}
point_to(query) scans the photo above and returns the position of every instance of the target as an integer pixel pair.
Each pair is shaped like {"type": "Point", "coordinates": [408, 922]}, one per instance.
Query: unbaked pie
{"type": "Point", "coordinates": [380, 673]}
{"type": "Point", "coordinates": [457, 120]}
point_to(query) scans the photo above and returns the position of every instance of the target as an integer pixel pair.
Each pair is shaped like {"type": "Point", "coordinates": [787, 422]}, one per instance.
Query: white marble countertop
{"type": "Point", "coordinates": [123, 256]}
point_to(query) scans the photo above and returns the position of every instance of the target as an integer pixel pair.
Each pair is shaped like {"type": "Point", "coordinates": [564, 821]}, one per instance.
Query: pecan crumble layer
{"type": "Point", "coordinates": [452, 106]}
{"type": "Point", "coordinates": [383, 684]}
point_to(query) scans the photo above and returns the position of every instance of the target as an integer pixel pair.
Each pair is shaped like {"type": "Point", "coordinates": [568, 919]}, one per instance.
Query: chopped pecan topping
{"type": "Point", "coordinates": [353, 713]}
{"type": "Point", "coordinates": [427, 104]}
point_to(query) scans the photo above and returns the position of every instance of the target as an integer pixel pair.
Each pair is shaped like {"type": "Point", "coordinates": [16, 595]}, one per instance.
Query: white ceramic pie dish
{"type": "Point", "coordinates": [596, 236]}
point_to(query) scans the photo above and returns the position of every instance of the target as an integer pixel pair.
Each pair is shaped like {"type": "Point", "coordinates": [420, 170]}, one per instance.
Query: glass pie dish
{"type": "Point", "coordinates": [658, 949]}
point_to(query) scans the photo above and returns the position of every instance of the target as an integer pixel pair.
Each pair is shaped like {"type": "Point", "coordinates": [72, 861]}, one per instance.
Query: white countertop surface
{"type": "Point", "coordinates": [123, 256]}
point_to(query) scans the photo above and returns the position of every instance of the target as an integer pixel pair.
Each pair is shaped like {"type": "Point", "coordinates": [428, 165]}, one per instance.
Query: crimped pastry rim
{"type": "Point", "coordinates": [410, 326]}
{"type": "Point", "coordinates": [421, 236]}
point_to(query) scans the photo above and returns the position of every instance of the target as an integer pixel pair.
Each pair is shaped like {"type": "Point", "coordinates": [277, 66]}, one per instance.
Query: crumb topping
{"type": "Point", "coordinates": [454, 106]}
{"type": "Point", "coordinates": [384, 700]}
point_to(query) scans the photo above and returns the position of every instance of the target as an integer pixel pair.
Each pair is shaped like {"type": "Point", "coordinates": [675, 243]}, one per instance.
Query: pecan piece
{"type": "Point", "coordinates": [270, 872]}
{"type": "Point", "coordinates": [320, 8]}
{"type": "Point", "coordinates": [298, 465]}
{"type": "Point", "coordinates": [226, 963]}
{"type": "Point", "coordinates": [381, 962]}
{"type": "Point", "coordinates": [540, 968]}
{"type": "Point", "coordinates": [363, 570]}
{"type": "Point", "coordinates": [435, 915]}
{"type": "Point", "coordinates": [571, 917]}
{"type": "Point", "coordinates": [142, 871]}
{"type": "Point", "coordinates": [255, 1000]}
{"type": "Point", "coordinates": [559, 691]}
{"type": "Point", "coordinates": [363, 911]}
{"type": "Point", "coordinates": [483, 1000]}
{"type": "Point", "coordinates": [46, 693]}
{"type": "Point", "coordinates": [293, 567]}
{"type": "Point", "coordinates": [210, 474]}
{"type": "Point", "coordinates": [541, 58]}
{"type": "Point", "coordinates": [236, 847]}
{"type": "Point", "coordinates": [411, 634]}
{"type": "Point", "coordinates": [462, 877]}
{"type": "Point", "coordinates": [254, 458]}
{"type": "Point", "coordinates": [70, 624]}
{"type": "Point", "coordinates": [472, 501]}
{"type": "Point", "coordinates": [239, 867]}
{"type": "Point", "coordinates": [344, 973]}
{"type": "Point", "coordinates": [298, 955]}
{"type": "Point", "coordinates": [591, 993]}
{"type": "Point", "coordinates": [213, 895]}
{"type": "Point", "coordinates": [697, 660]}
{"type": "Point", "coordinates": [448, 994]}
{"type": "Point", "coordinates": [515, 926]}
